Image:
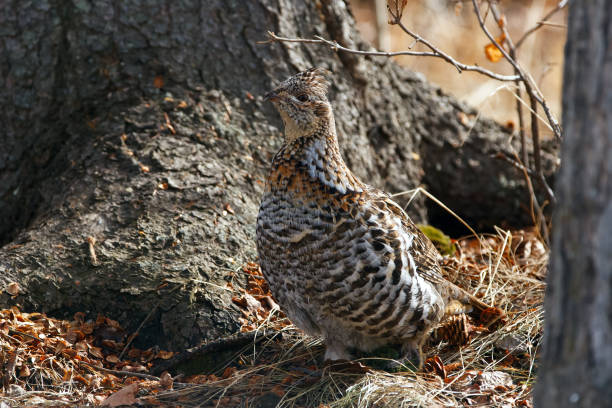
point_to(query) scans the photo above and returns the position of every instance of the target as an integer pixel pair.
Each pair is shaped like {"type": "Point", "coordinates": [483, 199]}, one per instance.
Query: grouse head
{"type": "Point", "coordinates": [302, 103]}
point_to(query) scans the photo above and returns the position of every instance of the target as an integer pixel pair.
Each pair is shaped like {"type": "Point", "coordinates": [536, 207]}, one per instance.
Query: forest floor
{"type": "Point", "coordinates": [473, 360]}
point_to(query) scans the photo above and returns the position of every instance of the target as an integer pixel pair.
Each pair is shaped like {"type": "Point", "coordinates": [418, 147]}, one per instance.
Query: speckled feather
{"type": "Point", "coordinates": [342, 258]}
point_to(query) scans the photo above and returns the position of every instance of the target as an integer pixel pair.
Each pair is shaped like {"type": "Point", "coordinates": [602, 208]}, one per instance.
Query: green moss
{"type": "Point", "coordinates": [442, 241]}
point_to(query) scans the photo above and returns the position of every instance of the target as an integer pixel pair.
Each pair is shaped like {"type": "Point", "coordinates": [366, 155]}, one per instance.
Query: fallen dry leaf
{"type": "Point", "coordinates": [228, 372]}
{"type": "Point", "coordinates": [165, 380]}
{"type": "Point", "coordinates": [125, 396]}
{"type": "Point", "coordinates": [96, 352]}
{"type": "Point", "coordinates": [13, 289]}
{"type": "Point", "coordinates": [435, 365]}
{"type": "Point", "coordinates": [24, 371]}
{"type": "Point", "coordinates": [164, 355]}
{"type": "Point", "coordinates": [112, 358]}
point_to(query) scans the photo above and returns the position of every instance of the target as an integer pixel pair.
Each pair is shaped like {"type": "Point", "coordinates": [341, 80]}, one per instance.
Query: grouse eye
{"type": "Point", "coordinates": [302, 98]}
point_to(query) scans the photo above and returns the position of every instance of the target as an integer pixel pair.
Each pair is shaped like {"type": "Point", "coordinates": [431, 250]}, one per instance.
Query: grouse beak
{"type": "Point", "coordinates": [271, 96]}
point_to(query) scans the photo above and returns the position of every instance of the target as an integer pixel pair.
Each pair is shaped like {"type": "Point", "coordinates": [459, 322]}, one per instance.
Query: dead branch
{"type": "Point", "coordinates": [514, 163]}
{"type": "Point", "coordinates": [120, 373]}
{"type": "Point", "coordinates": [535, 132]}
{"type": "Point", "coordinates": [18, 333]}
{"type": "Point", "coordinates": [530, 85]}
{"type": "Point", "coordinates": [543, 21]}
{"type": "Point", "coordinates": [540, 221]}
{"type": "Point", "coordinates": [536, 210]}
{"type": "Point", "coordinates": [518, 92]}
{"type": "Point", "coordinates": [434, 53]}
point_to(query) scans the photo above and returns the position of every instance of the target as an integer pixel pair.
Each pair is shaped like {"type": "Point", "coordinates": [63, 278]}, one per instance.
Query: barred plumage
{"type": "Point", "coordinates": [342, 258]}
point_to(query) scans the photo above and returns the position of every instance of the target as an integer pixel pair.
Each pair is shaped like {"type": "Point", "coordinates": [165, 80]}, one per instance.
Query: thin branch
{"type": "Point", "coordinates": [18, 333]}
{"type": "Point", "coordinates": [120, 372]}
{"type": "Point", "coordinates": [530, 85]}
{"type": "Point", "coordinates": [535, 133]}
{"type": "Point", "coordinates": [538, 218]}
{"type": "Point", "coordinates": [434, 53]}
{"type": "Point", "coordinates": [418, 39]}
{"type": "Point", "coordinates": [517, 92]}
{"type": "Point", "coordinates": [542, 22]}
{"type": "Point", "coordinates": [555, 25]}
{"type": "Point", "coordinates": [521, 119]}
{"type": "Point", "coordinates": [538, 116]}
{"type": "Point", "coordinates": [515, 163]}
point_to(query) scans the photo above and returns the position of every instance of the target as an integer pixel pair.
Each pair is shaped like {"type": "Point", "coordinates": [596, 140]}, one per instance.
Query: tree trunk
{"type": "Point", "coordinates": [576, 366]}
{"type": "Point", "coordinates": [141, 125]}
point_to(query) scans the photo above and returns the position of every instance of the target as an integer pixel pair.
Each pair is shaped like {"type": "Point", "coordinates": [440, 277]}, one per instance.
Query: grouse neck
{"type": "Point", "coordinates": [321, 159]}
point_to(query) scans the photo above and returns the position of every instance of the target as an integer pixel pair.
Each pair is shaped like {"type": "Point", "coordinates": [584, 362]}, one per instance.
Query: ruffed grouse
{"type": "Point", "coordinates": [343, 260]}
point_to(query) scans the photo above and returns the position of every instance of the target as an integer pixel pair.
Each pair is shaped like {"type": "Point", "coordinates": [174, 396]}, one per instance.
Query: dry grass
{"type": "Point", "coordinates": [495, 369]}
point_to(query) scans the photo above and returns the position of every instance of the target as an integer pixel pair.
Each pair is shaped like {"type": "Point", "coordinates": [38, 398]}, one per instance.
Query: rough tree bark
{"type": "Point", "coordinates": [140, 124]}
{"type": "Point", "coordinates": [576, 366]}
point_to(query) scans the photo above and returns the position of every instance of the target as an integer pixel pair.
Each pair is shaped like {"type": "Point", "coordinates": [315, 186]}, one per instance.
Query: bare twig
{"type": "Point", "coordinates": [540, 222]}
{"type": "Point", "coordinates": [538, 218]}
{"type": "Point", "coordinates": [434, 53]}
{"type": "Point", "coordinates": [120, 372]}
{"type": "Point", "coordinates": [538, 116]}
{"type": "Point", "coordinates": [530, 85]}
{"type": "Point", "coordinates": [549, 24]}
{"type": "Point", "coordinates": [517, 92]}
{"type": "Point", "coordinates": [542, 22]}
{"type": "Point", "coordinates": [397, 19]}
{"type": "Point", "coordinates": [535, 133]}
{"type": "Point", "coordinates": [515, 163]}
{"type": "Point", "coordinates": [443, 55]}
{"type": "Point", "coordinates": [18, 333]}
{"type": "Point", "coordinates": [521, 119]}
